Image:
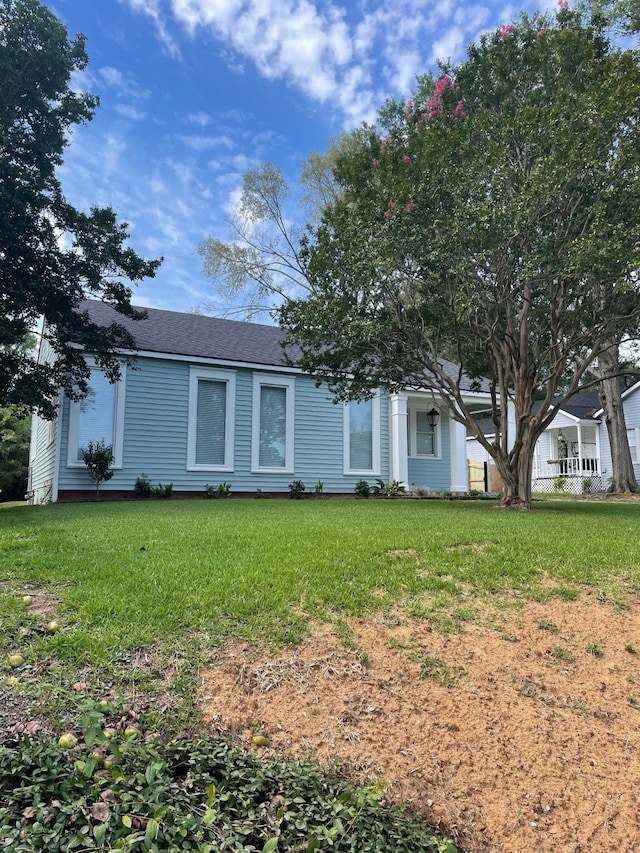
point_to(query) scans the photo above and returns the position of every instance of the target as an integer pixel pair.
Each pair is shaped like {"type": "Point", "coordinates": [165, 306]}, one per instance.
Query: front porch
{"type": "Point", "coordinates": [567, 459]}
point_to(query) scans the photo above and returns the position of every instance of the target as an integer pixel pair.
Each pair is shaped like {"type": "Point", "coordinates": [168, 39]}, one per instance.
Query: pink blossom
{"type": "Point", "coordinates": [387, 213]}
{"type": "Point", "coordinates": [376, 163]}
{"type": "Point", "coordinates": [406, 159]}
{"type": "Point", "coordinates": [564, 4]}
{"type": "Point", "coordinates": [505, 30]}
{"type": "Point", "coordinates": [410, 205]}
{"type": "Point", "coordinates": [458, 111]}
{"type": "Point", "coordinates": [386, 140]}
{"type": "Point", "coordinates": [409, 105]}
{"type": "Point", "coordinates": [391, 205]}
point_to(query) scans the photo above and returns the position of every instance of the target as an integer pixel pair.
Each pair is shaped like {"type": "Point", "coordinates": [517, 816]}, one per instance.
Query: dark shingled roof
{"type": "Point", "coordinates": [195, 335]}
{"type": "Point", "coordinates": [199, 336]}
{"type": "Point", "coordinates": [583, 405]}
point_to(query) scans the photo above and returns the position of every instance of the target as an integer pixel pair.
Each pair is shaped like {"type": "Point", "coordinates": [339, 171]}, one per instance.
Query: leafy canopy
{"type": "Point", "coordinates": [51, 254]}
{"type": "Point", "coordinates": [495, 221]}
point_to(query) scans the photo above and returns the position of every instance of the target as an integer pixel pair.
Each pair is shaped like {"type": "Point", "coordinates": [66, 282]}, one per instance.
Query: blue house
{"type": "Point", "coordinates": [206, 401]}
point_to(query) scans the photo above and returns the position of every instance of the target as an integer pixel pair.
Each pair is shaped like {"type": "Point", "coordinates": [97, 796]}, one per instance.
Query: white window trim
{"type": "Point", "coordinates": [635, 431]}
{"type": "Point", "coordinates": [375, 438]}
{"type": "Point", "coordinates": [228, 376]}
{"type": "Point", "coordinates": [275, 381]}
{"type": "Point", "coordinates": [413, 434]}
{"type": "Point", "coordinates": [118, 423]}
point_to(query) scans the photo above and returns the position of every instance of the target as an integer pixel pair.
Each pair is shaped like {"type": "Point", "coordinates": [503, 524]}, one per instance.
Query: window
{"type": "Point", "coordinates": [211, 419]}
{"type": "Point", "coordinates": [423, 438]}
{"type": "Point", "coordinates": [362, 437]}
{"type": "Point", "coordinates": [633, 444]}
{"type": "Point", "coordinates": [273, 424]}
{"type": "Point", "coordinates": [100, 416]}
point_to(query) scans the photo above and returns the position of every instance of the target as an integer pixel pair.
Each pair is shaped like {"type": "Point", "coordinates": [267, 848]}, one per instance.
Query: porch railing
{"type": "Point", "coordinates": [572, 466]}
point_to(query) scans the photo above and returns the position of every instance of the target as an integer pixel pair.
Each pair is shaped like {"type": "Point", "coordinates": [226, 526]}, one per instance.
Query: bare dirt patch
{"type": "Point", "coordinates": [518, 735]}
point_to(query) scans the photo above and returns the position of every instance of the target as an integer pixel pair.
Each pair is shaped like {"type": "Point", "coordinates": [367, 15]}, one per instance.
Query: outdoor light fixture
{"type": "Point", "coordinates": [560, 436]}
{"type": "Point", "coordinates": [432, 417]}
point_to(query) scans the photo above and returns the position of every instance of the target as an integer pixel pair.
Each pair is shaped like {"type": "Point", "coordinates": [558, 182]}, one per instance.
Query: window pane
{"type": "Point", "coordinates": [633, 449]}
{"type": "Point", "coordinates": [361, 435]}
{"type": "Point", "coordinates": [425, 436]}
{"type": "Point", "coordinates": [211, 426]}
{"type": "Point", "coordinates": [96, 415]}
{"type": "Point", "coordinates": [273, 427]}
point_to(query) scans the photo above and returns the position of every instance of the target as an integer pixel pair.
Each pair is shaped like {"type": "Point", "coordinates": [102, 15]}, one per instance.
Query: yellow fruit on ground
{"type": "Point", "coordinates": [131, 732]}
{"type": "Point", "coordinates": [15, 660]}
{"type": "Point", "coordinates": [52, 626]}
{"type": "Point", "coordinates": [26, 599]}
{"type": "Point", "coordinates": [68, 740]}
{"type": "Point", "coordinates": [260, 740]}
{"type": "Point", "coordinates": [12, 681]}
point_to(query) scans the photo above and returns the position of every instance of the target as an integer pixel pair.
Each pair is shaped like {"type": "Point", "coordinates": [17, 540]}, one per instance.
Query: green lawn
{"type": "Point", "coordinates": [143, 592]}
{"type": "Point", "coordinates": [129, 574]}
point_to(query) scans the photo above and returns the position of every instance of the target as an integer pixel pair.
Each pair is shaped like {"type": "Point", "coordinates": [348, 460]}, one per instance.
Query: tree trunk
{"type": "Point", "coordinates": [623, 476]}
{"type": "Point", "coordinates": [515, 470]}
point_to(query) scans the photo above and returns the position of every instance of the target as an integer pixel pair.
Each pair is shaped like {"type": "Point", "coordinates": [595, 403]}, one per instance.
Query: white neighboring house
{"type": "Point", "coordinates": [573, 454]}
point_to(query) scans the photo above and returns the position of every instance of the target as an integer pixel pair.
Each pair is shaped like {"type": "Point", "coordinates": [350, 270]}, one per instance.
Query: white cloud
{"type": "Point", "coordinates": [200, 119]}
{"type": "Point", "coordinates": [124, 84]}
{"type": "Point", "coordinates": [204, 143]}
{"type": "Point", "coordinates": [130, 112]}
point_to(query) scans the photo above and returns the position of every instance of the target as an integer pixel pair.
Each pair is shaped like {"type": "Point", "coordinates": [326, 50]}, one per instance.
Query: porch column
{"type": "Point", "coordinates": [458, 451]}
{"type": "Point", "coordinates": [399, 450]}
{"type": "Point", "coordinates": [580, 468]}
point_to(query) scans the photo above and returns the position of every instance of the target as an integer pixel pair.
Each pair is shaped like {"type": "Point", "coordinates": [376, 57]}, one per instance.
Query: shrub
{"type": "Point", "coordinates": [221, 491]}
{"type": "Point", "coordinates": [296, 489]}
{"type": "Point", "coordinates": [163, 491]}
{"type": "Point", "coordinates": [98, 457]}
{"type": "Point", "coordinates": [142, 487]}
{"type": "Point", "coordinates": [393, 489]}
{"type": "Point", "coordinates": [260, 495]}
{"type": "Point", "coordinates": [559, 484]}
{"type": "Point", "coordinates": [362, 489]}
{"type": "Point", "coordinates": [192, 795]}
{"type": "Point", "coordinates": [319, 488]}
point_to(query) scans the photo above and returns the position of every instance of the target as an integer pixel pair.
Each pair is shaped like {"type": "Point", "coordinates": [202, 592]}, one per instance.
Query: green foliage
{"type": "Point", "coordinates": [161, 491]}
{"type": "Point", "coordinates": [296, 489]}
{"type": "Point", "coordinates": [595, 649]}
{"type": "Point", "coordinates": [388, 490]}
{"type": "Point", "coordinates": [15, 433]}
{"type": "Point", "coordinates": [318, 488]}
{"type": "Point", "coordinates": [98, 458]}
{"type": "Point", "coordinates": [191, 795]}
{"type": "Point", "coordinates": [142, 487]}
{"type": "Point", "coordinates": [223, 490]}
{"type": "Point", "coordinates": [527, 151]}
{"type": "Point", "coordinates": [559, 484]}
{"type": "Point", "coordinates": [38, 113]}
{"type": "Point", "coordinates": [362, 489]}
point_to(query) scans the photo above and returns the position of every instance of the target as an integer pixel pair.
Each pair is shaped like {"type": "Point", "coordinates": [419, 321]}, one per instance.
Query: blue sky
{"type": "Point", "coordinates": [196, 92]}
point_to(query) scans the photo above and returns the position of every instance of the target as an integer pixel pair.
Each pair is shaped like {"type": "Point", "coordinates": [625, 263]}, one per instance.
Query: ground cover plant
{"type": "Point", "coordinates": [144, 597]}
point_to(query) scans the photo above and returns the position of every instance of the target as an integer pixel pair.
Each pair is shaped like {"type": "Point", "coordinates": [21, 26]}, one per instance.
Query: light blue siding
{"type": "Point", "coordinates": [433, 474]}
{"type": "Point", "coordinates": [156, 427]}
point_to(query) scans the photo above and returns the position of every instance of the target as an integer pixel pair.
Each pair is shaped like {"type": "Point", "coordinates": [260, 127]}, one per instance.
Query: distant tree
{"type": "Point", "coordinates": [51, 255]}
{"type": "Point", "coordinates": [15, 432]}
{"type": "Point", "coordinates": [261, 265]}
{"type": "Point", "coordinates": [498, 217]}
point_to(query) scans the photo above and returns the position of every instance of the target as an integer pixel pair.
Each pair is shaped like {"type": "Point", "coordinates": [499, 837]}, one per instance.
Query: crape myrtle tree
{"type": "Point", "coordinates": [495, 221]}
{"type": "Point", "coordinates": [51, 254]}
